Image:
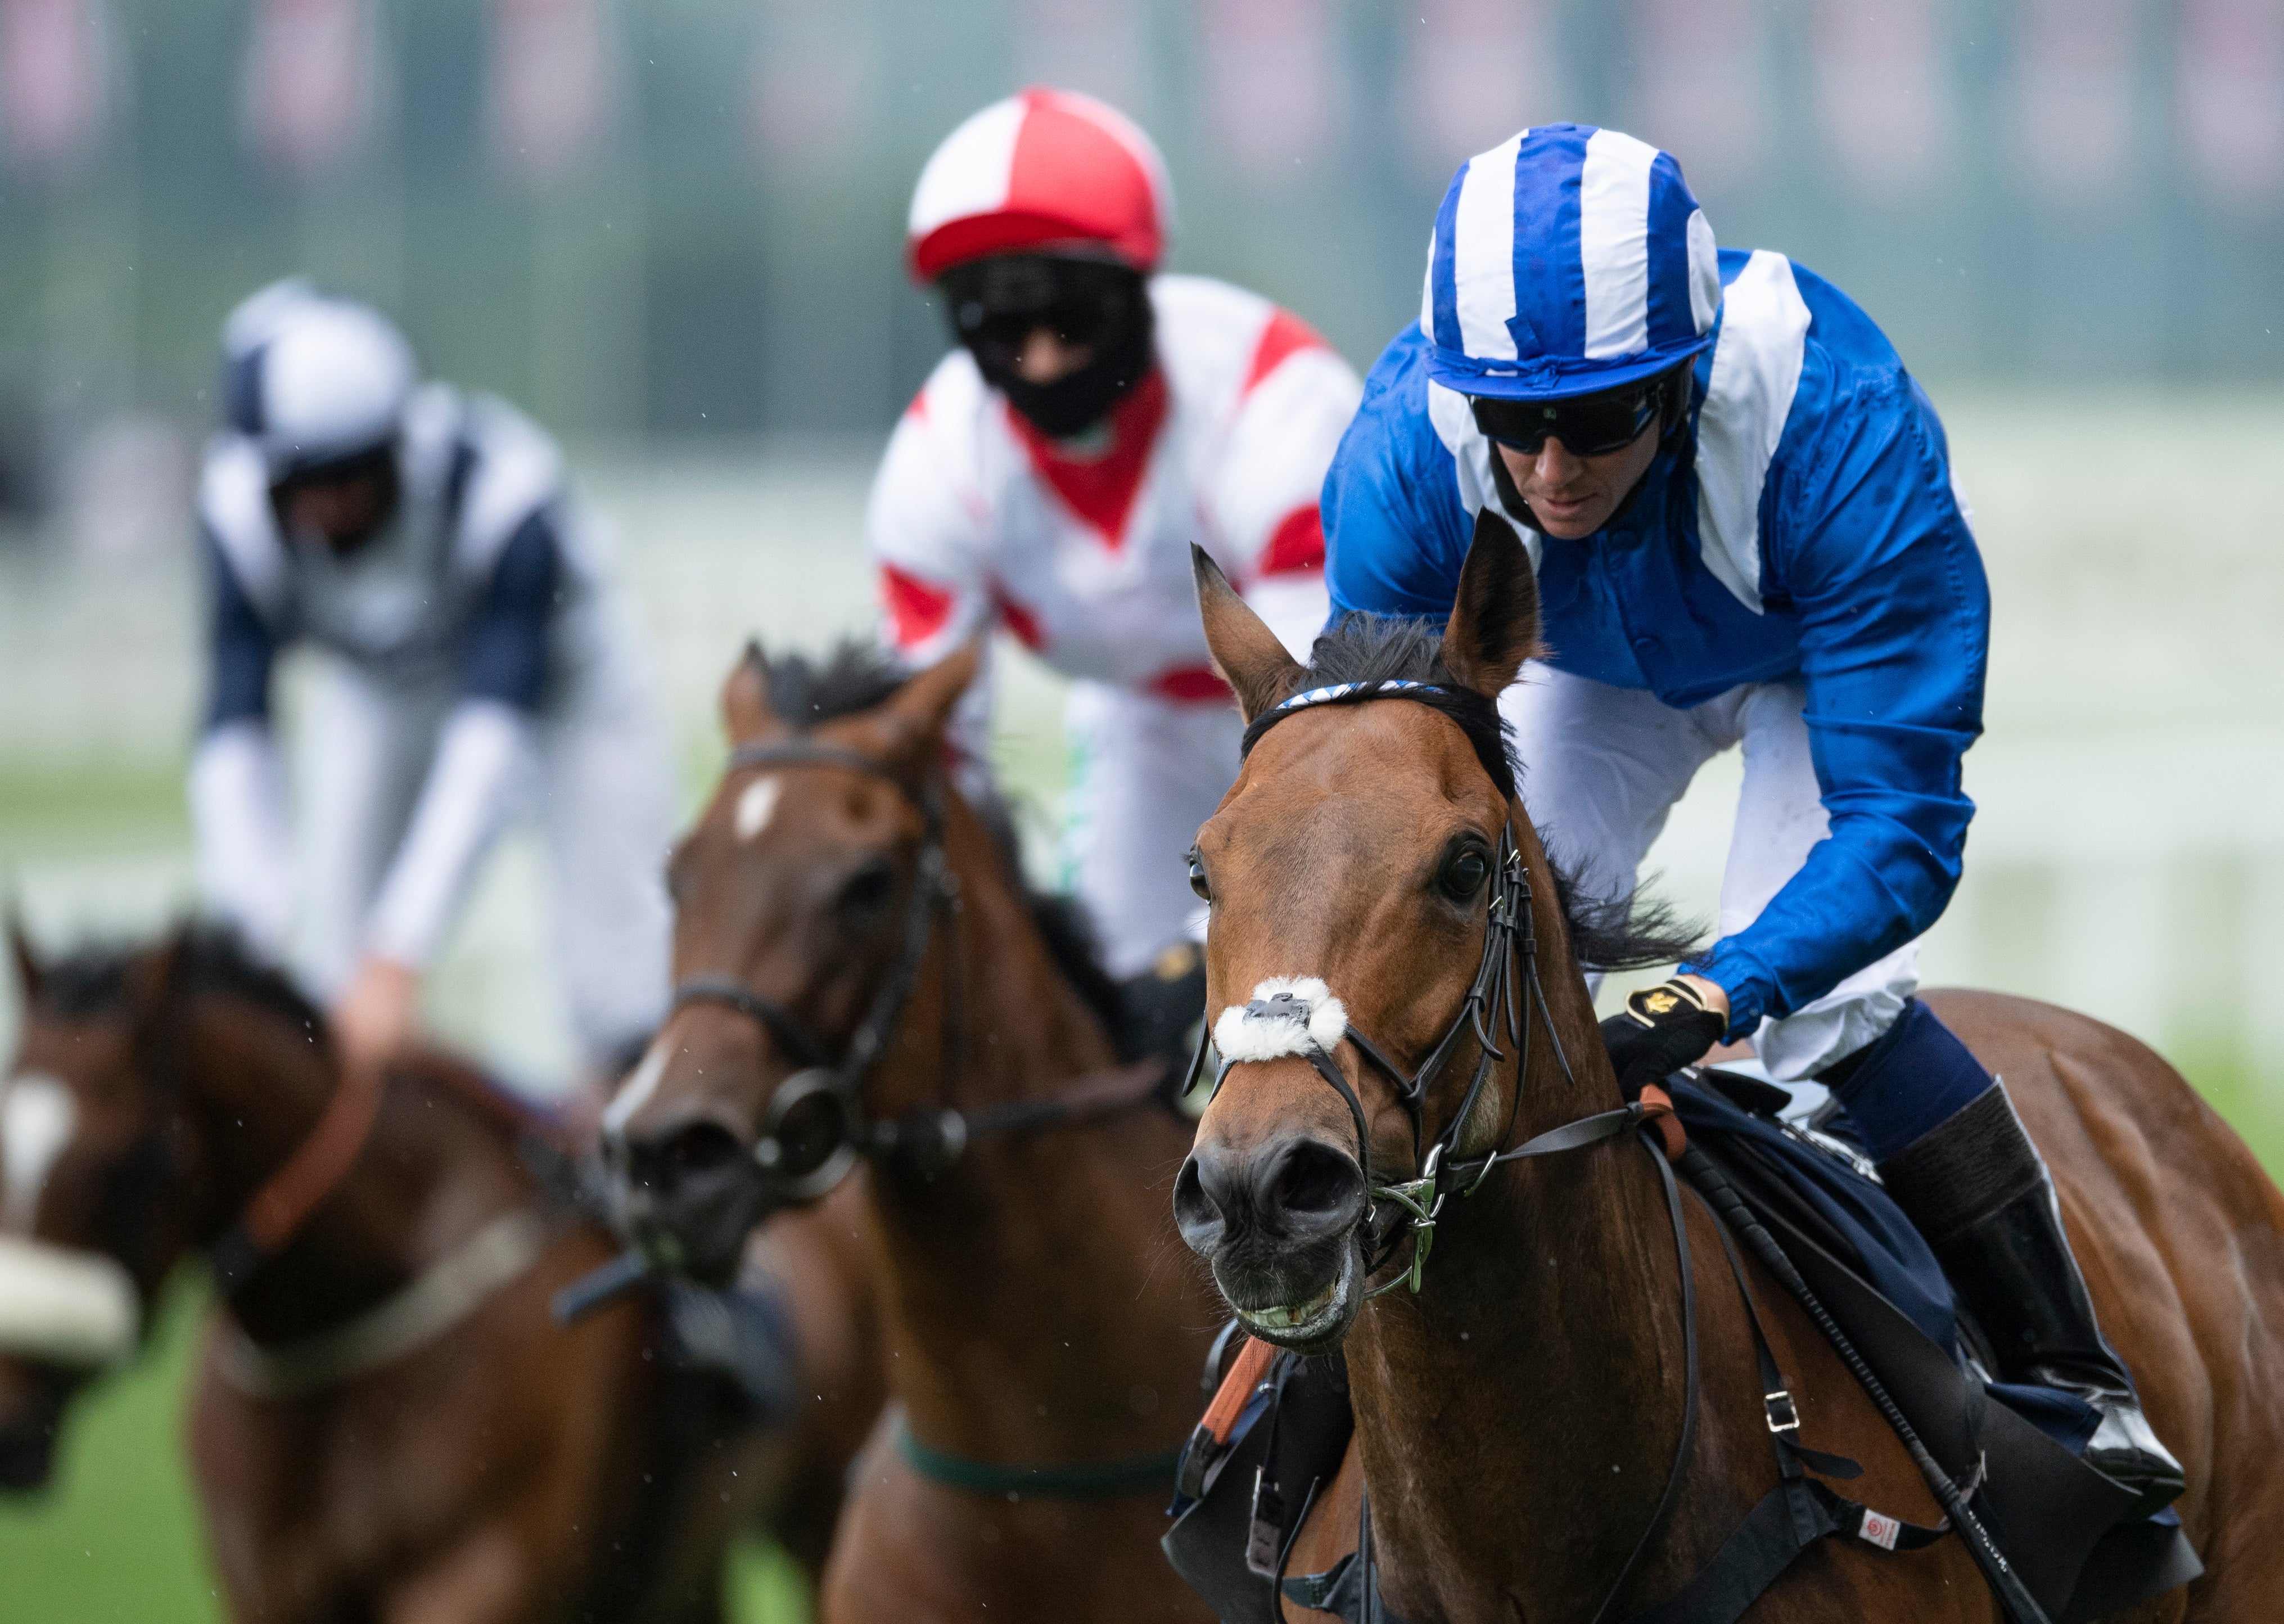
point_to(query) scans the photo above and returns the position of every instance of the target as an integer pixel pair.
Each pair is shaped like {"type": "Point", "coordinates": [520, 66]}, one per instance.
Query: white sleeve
{"type": "Point", "coordinates": [244, 849]}
{"type": "Point", "coordinates": [480, 754]}
{"type": "Point", "coordinates": [928, 534]}
{"type": "Point", "coordinates": [1271, 475]}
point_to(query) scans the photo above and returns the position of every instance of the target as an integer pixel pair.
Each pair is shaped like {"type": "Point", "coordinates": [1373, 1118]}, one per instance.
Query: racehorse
{"type": "Point", "coordinates": [385, 1422]}
{"type": "Point", "coordinates": [1517, 1418]}
{"type": "Point", "coordinates": [859, 968]}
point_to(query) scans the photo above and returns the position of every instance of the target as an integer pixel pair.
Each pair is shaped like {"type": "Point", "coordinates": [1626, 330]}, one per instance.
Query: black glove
{"type": "Point", "coordinates": [1663, 1028]}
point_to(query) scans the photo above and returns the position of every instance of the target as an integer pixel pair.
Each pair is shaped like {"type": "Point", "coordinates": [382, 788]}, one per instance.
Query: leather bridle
{"type": "Point", "coordinates": [825, 1085]}
{"type": "Point", "coordinates": [829, 1092]}
{"type": "Point", "coordinates": [1491, 1006]}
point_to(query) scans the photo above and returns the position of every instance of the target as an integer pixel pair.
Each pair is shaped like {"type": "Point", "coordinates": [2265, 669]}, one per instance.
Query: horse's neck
{"type": "Point", "coordinates": [1032, 1311]}
{"type": "Point", "coordinates": [254, 1091]}
{"type": "Point", "coordinates": [1543, 1355]}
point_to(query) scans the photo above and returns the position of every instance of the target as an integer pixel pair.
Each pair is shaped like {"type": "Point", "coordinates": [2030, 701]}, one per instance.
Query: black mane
{"type": "Point", "coordinates": [1607, 933]}
{"type": "Point", "coordinates": [854, 678]}
{"type": "Point", "coordinates": [857, 676]}
{"type": "Point", "coordinates": [94, 981]}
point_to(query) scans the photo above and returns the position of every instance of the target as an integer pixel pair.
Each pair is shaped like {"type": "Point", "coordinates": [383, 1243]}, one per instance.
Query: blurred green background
{"type": "Point", "coordinates": [671, 229]}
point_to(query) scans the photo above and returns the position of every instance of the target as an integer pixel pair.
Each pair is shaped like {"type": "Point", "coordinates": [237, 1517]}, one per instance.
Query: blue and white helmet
{"type": "Point", "coordinates": [313, 381]}
{"type": "Point", "coordinates": [1567, 260]}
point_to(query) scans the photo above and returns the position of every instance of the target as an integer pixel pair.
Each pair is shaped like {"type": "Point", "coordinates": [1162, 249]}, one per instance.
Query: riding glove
{"type": "Point", "coordinates": [1660, 1030]}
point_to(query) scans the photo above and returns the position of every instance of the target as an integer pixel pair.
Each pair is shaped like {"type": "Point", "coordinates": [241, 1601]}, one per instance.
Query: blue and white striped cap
{"type": "Point", "coordinates": [1567, 260]}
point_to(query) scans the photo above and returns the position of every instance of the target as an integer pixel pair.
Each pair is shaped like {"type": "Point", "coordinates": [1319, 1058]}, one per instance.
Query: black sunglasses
{"type": "Point", "coordinates": [996, 304]}
{"type": "Point", "coordinates": [1590, 426]}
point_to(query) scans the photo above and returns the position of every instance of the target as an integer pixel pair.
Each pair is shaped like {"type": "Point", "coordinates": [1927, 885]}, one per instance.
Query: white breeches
{"type": "Point", "coordinates": [1603, 765]}
{"type": "Point", "coordinates": [597, 787]}
{"type": "Point", "coordinates": [1146, 772]}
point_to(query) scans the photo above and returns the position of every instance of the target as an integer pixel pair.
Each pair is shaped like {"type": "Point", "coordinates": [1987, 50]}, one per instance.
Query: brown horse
{"type": "Point", "coordinates": [1516, 1419]}
{"type": "Point", "coordinates": [386, 1424]}
{"type": "Point", "coordinates": [838, 898]}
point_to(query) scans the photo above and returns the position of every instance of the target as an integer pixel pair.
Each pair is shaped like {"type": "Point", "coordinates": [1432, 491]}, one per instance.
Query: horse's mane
{"type": "Point", "coordinates": [1607, 933]}
{"type": "Point", "coordinates": [94, 980]}
{"type": "Point", "coordinates": [855, 676]}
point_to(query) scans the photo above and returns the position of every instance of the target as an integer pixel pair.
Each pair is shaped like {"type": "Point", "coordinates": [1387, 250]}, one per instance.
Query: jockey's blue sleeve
{"type": "Point", "coordinates": [1397, 530]}
{"type": "Point", "coordinates": [1867, 540]}
{"type": "Point", "coordinates": [1867, 554]}
{"type": "Point", "coordinates": [241, 648]}
{"type": "Point", "coordinates": [505, 654]}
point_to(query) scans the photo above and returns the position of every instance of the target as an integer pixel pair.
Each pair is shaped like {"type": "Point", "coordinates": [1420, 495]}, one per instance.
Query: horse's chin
{"type": "Point", "coordinates": [1319, 1324]}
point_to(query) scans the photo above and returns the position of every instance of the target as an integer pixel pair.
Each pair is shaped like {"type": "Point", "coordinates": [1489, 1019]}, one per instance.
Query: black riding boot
{"type": "Point", "coordinates": [1979, 1191]}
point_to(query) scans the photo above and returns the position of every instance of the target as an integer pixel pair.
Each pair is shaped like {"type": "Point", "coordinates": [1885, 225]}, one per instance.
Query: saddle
{"type": "Point", "coordinates": [1279, 1426]}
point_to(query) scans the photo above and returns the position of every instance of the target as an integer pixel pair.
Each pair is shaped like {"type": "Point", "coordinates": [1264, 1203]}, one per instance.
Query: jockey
{"type": "Point", "coordinates": [1739, 510]}
{"type": "Point", "coordinates": [426, 539]}
{"type": "Point", "coordinates": [1098, 418]}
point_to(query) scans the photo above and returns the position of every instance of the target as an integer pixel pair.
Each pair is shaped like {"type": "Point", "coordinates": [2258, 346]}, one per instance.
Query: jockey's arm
{"type": "Point", "coordinates": [480, 753]}
{"type": "Point", "coordinates": [930, 557]}
{"type": "Point", "coordinates": [1263, 498]}
{"type": "Point", "coordinates": [1877, 558]}
{"type": "Point", "coordinates": [236, 786]}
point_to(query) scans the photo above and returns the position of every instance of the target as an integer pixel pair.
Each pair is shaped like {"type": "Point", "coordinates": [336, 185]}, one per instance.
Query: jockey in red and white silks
{"type": "Point", "coordinates": [1097, 420]}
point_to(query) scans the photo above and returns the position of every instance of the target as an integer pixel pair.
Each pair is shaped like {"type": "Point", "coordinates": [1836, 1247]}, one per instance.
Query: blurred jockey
{"type": "Point", "coordinates": [1098, 419]}
{"type": "Point", "coordinates": [426, 538]}
{"type": "Point", "coordinates": [1738, 505]}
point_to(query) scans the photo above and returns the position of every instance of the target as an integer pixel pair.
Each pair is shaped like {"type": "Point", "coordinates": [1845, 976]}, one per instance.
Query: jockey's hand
{"type": "Point", "coordinates": [377, 1018]}
{"type": "Point", "coordinates": [1665, 1028]}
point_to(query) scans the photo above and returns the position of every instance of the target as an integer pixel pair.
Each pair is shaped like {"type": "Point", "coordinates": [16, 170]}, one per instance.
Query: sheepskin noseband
{"type": "Point", "coordinates": [1289, 1014]}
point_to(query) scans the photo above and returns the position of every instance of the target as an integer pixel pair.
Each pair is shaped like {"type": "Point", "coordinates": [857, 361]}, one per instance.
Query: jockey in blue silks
{"type": "Point", "coordinates": [1740, 509]}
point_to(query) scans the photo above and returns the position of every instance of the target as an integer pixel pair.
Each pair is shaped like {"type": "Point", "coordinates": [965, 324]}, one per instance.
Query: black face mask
{"type": "Point", "coordinates": [996, 304]}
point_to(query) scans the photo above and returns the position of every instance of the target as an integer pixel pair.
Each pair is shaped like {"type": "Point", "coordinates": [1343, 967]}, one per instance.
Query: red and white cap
{"type": "Point", "coordinates": [1042, 168]}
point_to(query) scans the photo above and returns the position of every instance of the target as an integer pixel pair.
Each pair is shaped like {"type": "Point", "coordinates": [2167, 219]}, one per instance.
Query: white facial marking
{"type": "Point", "coordinates": [755, 805]}
{"type": "Point", "coordinates": [640, 1085]}
{"type": "Point", "coordinates": [37, 1118]}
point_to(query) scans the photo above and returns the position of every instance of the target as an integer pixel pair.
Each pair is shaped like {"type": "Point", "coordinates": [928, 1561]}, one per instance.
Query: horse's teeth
{"type": "Point", "coordinates": [1278, 1319]}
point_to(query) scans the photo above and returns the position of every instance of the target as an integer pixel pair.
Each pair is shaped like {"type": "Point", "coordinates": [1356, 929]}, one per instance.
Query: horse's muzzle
{"type": "Point", "coordinates": [688, 1192]}
{"type": "Point", "coordinates": [1280, 1223]}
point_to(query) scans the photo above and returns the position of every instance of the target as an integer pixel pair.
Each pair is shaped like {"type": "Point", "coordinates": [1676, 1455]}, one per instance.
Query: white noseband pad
{"type": "Point", "coordinates": [1288, 1015]}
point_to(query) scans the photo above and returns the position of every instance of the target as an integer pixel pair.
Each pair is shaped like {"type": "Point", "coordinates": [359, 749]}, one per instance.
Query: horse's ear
{"type": "Point", "coordinates": [27, 962]}
{"type": "Point", "coordinates": [747, 714]}
{"type": "Point", "coordinates": [1245, 651]}
{"type": "Point", "coordinates": [915, 715]}
{"type": "Point", "coordinates": [1494, 624]}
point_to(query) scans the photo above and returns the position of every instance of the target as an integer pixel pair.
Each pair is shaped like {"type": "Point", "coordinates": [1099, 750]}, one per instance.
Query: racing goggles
{"type": "Point", "coordinates": [996, 304]}
{"type": "Point", "coordinates": [1589, 425]}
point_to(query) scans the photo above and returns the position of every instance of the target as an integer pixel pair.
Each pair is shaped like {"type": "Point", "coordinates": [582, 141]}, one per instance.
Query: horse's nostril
{"type": "Point", "coordinates": [1310, 1188]}
{"type": "Point", "coordinates": [700, 1148]}
{"type": "Point", "coordinates": [1198, 1209]}
{"type": "Point", "coordinates": [1314, 1179]}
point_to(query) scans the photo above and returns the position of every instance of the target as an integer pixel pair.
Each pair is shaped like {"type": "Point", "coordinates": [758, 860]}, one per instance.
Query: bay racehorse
{"type": "Point", "coordinates": [386, 1424]}
{"type": "Point", "coordinates": [860, 969]}
{"type": "Point", "coordinates": [1517, 1419]}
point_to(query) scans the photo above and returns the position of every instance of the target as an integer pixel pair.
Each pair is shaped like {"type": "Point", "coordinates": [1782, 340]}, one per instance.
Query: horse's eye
{"type": "Point", "coordinates": [1198, 877]}
{"type": "Point", "coordinates": [869, 889]}
{"type": "Point", "coordinates": [1464, 873]}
